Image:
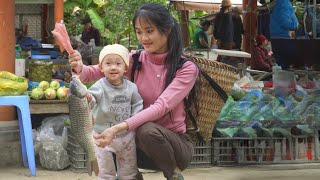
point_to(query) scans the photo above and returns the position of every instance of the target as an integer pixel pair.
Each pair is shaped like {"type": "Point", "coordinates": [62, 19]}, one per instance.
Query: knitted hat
{"type": "Point", "coordinates": [226, 3]}
{"type": "Point", "coordinates": [115, 49]}
{"type": "Point", "coordinates": [260, 39]}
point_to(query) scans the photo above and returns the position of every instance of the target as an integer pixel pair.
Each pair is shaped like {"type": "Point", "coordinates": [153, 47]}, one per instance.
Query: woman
{"type": "Point", "coordinates": [261, 59]}
{"type": "Point", "coordinates": [163, 82]}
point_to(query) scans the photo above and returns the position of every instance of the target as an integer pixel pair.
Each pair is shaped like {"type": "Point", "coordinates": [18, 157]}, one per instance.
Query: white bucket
{"type": "Point", "coordinates": [20, 67]}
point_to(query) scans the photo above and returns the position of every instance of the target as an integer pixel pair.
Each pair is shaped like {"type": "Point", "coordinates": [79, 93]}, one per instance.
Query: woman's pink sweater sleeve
{"type": "Point", "coordinates": [90, 73]}
{"type": "Point", "coordinates": [169, 99]}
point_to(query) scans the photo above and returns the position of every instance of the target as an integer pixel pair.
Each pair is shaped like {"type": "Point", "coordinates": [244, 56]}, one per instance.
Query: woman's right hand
{"type": "Point", "coordinates": [75, 61]}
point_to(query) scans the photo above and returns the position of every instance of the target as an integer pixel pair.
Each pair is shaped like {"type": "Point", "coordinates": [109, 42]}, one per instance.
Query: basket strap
{"type": "Point", "coordinates": [215, 86]}
{"type": "Point", "coordinates": [193, 121]}
{"type": "Point", "coordinates": [136, 63]}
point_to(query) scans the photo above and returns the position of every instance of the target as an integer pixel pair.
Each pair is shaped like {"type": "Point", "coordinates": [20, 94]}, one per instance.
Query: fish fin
{"type": "Point", "coordinates": [89, 167]}
{"type": "Point", "coordinates": [95, 167]}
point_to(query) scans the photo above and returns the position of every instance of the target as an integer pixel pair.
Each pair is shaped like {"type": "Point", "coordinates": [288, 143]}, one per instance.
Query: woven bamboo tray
{"type": "Point", "coordinates": [210, 103]}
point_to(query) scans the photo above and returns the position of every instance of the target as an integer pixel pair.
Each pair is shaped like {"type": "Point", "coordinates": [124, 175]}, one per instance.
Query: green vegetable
{"type": "Point", "coordinates": [62, 93]}
{"type": "Point", "coordinates": [43, 85]}
{"type": "Point", "coordinates": [54, 84]}
{"type": "Point", "coordinates": [12, 85]}
{"type": "Point", "coordinates": [37, 93]}
{"type": "Point", "coordinates": [50, 93]}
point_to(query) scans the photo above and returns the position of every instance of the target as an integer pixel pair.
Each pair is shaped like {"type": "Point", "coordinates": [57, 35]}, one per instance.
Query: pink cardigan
{"type": "Point", "coordinates": [150, 81]}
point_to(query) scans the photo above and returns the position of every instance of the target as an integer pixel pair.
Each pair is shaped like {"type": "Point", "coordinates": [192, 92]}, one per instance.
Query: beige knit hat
{"type": "Point", "coordinates": [115, 49]}
{"type": "Point", "coordinates": [226, 3]}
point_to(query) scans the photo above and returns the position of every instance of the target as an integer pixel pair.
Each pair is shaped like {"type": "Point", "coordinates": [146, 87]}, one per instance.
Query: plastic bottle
{"type": "Point", "coordinates": [18, 51]}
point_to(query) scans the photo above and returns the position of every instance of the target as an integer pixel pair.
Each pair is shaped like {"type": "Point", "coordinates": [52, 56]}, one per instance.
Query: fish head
{"type": "Point", "coordinates": [77, 88]}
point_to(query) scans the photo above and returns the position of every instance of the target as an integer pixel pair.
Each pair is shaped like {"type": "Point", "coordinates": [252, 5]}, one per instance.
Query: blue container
{"type": "Point", "coordinates": [32, 84]}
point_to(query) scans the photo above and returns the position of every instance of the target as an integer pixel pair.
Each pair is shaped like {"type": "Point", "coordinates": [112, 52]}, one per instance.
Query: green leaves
{"type": "Point", "coordinates": [96, 20]}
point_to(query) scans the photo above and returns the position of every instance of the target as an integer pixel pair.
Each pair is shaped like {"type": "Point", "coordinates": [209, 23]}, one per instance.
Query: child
{"type": "Point", "coordinates": [114, 99]}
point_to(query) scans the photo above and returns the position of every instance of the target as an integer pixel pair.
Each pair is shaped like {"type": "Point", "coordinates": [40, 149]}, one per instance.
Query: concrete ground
{"type": "Point", "coordinates": [267, 172]}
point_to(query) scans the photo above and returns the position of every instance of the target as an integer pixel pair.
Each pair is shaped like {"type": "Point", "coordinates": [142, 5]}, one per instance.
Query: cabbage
{"type": "Point", "coordinates": [44, 85]}
{"type": "Point", "coordinates": [54, 84]}
{"type": "Point", "coordinates": [50, 93]}
{"type": "Point", "coordinates": [62, 93]}
{"type": "Point", "coordinates": [37, 93]}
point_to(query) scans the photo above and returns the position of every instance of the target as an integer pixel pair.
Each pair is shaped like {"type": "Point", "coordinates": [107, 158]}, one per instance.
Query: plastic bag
{"type": "Point", "coordinates": [53, 156]}
{"type": "Point", "coordinates": [53, 130]}
{"type": "Point", "coordinates": [54, 139]}
{"type": "Point", "coordinates": [12, 85]}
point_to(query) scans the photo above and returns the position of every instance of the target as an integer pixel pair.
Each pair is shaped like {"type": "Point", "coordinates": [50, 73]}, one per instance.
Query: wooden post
{"type": "Point", "coordinates": [184, 28]}
{"type": "Point", "coordinates": [44, 18]}
{"type": "Point", "coordinates": [58, 15]}
{"type": "Point", "coordinates": [7, 49]}
{"type": "Point", "coordinates": [250, 21]}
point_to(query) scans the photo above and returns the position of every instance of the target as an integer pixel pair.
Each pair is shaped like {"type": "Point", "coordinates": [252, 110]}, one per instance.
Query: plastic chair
{"type": "Point", "coordinates": [23, 110]}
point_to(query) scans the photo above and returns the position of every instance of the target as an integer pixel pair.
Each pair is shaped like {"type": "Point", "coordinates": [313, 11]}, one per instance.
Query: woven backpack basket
{"type": "Point", "coordinates": [210, 102]}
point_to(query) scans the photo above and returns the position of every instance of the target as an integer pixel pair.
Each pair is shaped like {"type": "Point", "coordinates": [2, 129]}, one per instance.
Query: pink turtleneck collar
{"type": "Point", "coordinates": [158, 59]}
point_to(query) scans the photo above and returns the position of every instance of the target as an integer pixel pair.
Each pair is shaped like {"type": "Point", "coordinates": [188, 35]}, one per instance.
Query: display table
{"type": "Point", "coordinates": [232, 53]}
{"type": "Point", "coordinates": [48, 106]}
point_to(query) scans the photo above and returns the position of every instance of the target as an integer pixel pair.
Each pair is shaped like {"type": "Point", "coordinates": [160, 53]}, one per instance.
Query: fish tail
{"type": "Point", "coordinates": [92, 166]}
{"type": "Point", "coordinates": [95, 167]}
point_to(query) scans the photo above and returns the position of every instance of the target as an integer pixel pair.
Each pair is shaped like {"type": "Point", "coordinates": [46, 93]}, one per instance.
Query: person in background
{"type": "Point", "coordinates": [261, 58]}
{"type": "Point", "coordinates": [223, 27]}
{"type": "Point", "coordinates": [90, 32]}
{"type": "Point", "coordinates": [200, 38]}
{"type": "Point", "coordinates": [237, 27]}
{"type": "Point", "coordinates": [114, 99]}
{"type": "Point", "coordinates": [163, 81]}
{"type": "Point", "coordinates": [283, 20]}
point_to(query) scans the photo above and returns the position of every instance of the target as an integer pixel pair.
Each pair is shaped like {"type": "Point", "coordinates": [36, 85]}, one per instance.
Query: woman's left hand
{"type": "Point", "coordinates": [105, 138]}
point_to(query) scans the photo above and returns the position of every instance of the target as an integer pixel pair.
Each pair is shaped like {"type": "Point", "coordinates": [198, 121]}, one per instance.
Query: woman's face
{"type": "Point", "coordinates": [150, 37]}
{"type": "Point", "coordinates": [265, 43]}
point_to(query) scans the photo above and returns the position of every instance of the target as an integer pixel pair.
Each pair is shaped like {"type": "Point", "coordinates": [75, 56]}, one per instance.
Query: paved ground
{"type": "Point", "coordinates": [271, 172]}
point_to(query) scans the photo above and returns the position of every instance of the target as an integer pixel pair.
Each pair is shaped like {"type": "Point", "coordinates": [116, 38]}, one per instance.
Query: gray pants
{"type": "Point", "coordinates": [125, 150]}
{"type": "Point", "coordinates": [162, 149]}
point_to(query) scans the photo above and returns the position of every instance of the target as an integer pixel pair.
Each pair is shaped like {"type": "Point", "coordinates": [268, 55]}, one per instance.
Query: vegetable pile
{"type": "Point", "coordinates": [49, 91]}
{"type": "Point", "coordinates": [11, 84]}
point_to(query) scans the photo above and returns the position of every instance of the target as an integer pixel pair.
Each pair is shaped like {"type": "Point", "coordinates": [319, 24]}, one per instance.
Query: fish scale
{"type": "Point", "coordinates": [81, 126]}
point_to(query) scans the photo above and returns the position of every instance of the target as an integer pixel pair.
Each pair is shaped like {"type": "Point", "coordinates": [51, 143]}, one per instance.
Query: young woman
{"type": "Point", "coordinates": [163, 82]}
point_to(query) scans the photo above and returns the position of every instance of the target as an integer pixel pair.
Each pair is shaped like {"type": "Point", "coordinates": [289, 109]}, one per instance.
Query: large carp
{"type": "Point", "coordinates": [81, 122]}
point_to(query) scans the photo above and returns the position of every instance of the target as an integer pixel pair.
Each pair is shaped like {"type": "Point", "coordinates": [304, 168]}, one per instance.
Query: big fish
{"type": "Point", "coordinates": [81, 122]}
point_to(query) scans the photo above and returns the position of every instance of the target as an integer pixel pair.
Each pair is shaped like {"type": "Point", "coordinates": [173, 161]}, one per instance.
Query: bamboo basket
{"type": "Point", "coordinates": [210, 103]}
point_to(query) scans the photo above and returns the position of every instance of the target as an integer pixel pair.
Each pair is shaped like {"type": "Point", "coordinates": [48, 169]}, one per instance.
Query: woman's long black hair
{"type": "Point", "coordinates": [158, 15]}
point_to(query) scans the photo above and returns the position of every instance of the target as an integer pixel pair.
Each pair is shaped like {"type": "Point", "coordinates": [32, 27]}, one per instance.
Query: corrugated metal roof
{"type": "Point", "coordinates": [203, 5]}
{"type": "Point", "coordinates": [235, 2]}
{"type": "Point", "coordinates": [34, 1]}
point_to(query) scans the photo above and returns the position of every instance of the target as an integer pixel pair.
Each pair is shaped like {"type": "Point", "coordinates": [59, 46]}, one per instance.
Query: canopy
{"type": "Point", "coordinates": [201, 5]}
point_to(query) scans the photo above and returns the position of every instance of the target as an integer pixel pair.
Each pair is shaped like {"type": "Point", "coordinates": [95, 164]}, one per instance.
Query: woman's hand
{"type": "Point", "coordinates": [105, 138]}
{"type": "Point", "coordinates": [75, 61]}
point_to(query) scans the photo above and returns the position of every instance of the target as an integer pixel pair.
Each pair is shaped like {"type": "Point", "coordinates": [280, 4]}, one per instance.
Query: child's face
{"type": "Point", "coordinates": [113, 68]}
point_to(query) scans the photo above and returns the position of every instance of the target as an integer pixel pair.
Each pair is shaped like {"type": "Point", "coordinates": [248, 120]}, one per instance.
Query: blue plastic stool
{"type": "Point", "coordinates": [23, 110]}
